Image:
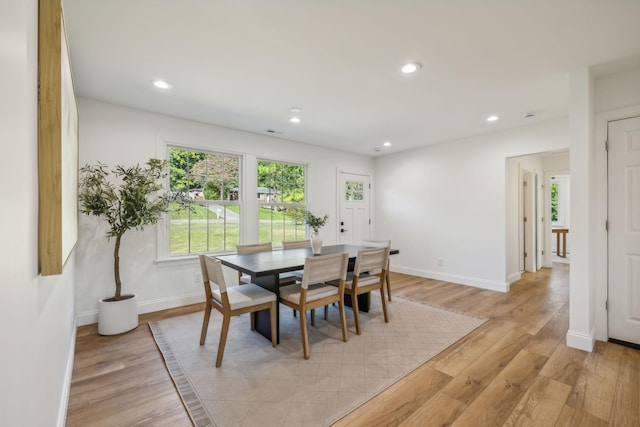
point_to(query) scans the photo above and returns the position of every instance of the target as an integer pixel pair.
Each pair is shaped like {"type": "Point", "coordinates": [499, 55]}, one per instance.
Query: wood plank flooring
{"type": "Point", "coordinates": [514, 370]}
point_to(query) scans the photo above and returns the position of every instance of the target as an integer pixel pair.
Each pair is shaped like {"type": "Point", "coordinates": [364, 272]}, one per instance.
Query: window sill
{"type": "Point", "coordinates": [190, 259]}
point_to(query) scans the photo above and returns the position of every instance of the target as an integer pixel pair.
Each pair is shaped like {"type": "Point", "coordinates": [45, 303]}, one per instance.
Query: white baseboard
{"type": "Point", "coordinates": [89, 317]}
{"type": "Point", "coordinates": [514, 277]}
{"type": "Point", "coordinates": [454, 278]}
{"type": "Point", "coordinates": [581, 341]}
{"type": "Point", "coordinates": [64, 397]}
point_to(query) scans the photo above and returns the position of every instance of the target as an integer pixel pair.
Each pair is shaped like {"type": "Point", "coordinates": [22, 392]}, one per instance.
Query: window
{"type": "Point", "coordinates": [560, 187]}
{"type": "Point", "coordinates": [354, 191]}
{"type": "Point", "coordinates": [554, 201]}
{"type": "Point", "coordinates": [212, 181]}
{"type": "Point", "coordinates": [281, 201]}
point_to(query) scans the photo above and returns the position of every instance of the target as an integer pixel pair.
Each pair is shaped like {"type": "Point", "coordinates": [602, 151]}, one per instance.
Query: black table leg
{"type": "Point", "coordinates": [364, 301]}
{"type": "Point", "coordinates": [262, 320]}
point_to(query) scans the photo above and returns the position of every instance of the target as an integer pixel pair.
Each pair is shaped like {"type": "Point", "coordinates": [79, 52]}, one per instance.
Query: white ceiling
{"type": "Point", "coordinates": [245, 63]}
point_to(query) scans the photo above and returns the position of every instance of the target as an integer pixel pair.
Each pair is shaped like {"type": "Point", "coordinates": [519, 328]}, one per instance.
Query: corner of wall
{"type": "Point", "coordinates": [581, 341]}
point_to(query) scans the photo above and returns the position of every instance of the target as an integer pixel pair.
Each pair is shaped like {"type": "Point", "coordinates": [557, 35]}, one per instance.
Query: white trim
{"type": "Point", "coordinates": [91, 316]}
{"type": "Point", "coordinates": [369, 176]}
{"type": "Point", "coordinates": [600, 246]}
{"type": "Point", "coordinates": [512, 278]}
{"type": "Point", "coordinates": [454, 278]}
{"type": "Point", "coordinates": [68, 373]}
{"type": "Point", "coordinates": [581, 341]}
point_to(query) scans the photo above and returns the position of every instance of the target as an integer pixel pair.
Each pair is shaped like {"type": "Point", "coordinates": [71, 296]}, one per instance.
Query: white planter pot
{"type": "Point", "coordinates": [117, 317]}
{"type": "Point", "coordinates": [316, 243]}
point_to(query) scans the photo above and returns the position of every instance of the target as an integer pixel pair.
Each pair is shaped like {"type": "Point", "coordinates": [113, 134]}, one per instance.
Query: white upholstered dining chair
{"type": "Point", "coordinates": [253, 248]}
{"type": "Point", "coordinates": [362, 280]}
{"type": "Point", "coordinates": [295, 244]}
{"type": "Point", "coordinates": [232, 302]}
{"type": "Point", "coordinates": [312, 292]}
{"type": "Point", "coordinates": [380, 243]}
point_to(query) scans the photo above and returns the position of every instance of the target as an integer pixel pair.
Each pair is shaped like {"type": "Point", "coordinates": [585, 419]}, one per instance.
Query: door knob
{"type": "Point", "coordinates": [342, 230]}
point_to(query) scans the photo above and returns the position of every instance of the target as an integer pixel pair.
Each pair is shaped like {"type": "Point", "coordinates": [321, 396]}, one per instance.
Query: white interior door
{"type": "Point", "coordinates": [527, 242]}
{"type": "Point", "coordinates": [354, 223]}
{"type": "Point", "coordinates": [624, 230]}
{"type": "Point", "coordinates": [539, 228]}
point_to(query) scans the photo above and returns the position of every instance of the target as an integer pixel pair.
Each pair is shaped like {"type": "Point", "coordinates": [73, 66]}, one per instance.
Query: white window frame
{"type": "Point", "coordinates": [263, 204]}
{"type": "Point", "coordinates": [163, 230]}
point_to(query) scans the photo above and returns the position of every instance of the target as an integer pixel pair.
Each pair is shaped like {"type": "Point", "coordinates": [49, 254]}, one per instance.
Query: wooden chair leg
{"type": "Point", "coordinates": [223, 339]}
{"type": "Point", "coordinates": [343, 321]}
{"type": "Point", "coordinates": [274, 335]}
{"type": "Point", "coordinates": [205, 324]}
{"type": "Point", "coordinates": [356, 311]}
{"type": "Point", "coordinates": [326, 312]}
{"type": "Point", "coordinates": [305, 334]}
{"type": "Point", "coordinates": [388, 285]}
{"type": "Point", "coordinates": [384, 305]}
{"type": "Point", "coordinates": [252, 316]}
{"type": "Point", "coordinates": [313, 317]}
{"type": "Point", "coordinates": [294, 313]}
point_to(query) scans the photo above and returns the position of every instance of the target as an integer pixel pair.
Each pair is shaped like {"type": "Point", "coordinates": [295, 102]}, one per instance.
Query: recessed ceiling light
{"type": "Point", "coordinates": [387, 144]}
{"type": "Point", "coordinates": [492, 118]}
{"type": "Point", "coordinates": [161, 84]}
{"type": "Point", "coordinates": [295, 119]}
{"type": "Point", "coordinates": [296, 110]}
{"type": "Point", "coordinates": [411, 67]}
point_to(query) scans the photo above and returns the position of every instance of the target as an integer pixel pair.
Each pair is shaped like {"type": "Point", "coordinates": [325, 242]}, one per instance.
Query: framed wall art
{"type": "Point", "coordinates": [57, 143]}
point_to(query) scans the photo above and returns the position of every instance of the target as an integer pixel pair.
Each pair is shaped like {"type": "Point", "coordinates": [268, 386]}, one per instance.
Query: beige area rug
{"type": "Point", "coordinates": [259, 385]}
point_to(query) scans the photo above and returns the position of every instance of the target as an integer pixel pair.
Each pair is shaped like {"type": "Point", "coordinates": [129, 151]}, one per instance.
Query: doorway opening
{"type": "Point", "coordinates": [530, 240]}
{"type": "Point", "coordinates": [560, 219]}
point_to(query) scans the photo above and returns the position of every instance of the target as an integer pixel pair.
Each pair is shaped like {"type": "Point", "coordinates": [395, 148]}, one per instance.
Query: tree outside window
{"type": "Point", "coordinates": [554, 201]}
{"type": "Point", "coordinates": [212, 181]}
{"type": "Point", "coordinates": [281, 200]}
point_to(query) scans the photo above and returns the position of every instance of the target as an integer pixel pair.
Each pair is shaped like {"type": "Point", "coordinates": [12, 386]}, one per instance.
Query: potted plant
{"type": "Point", "coordinates": [315, 222]}
{"type": "Point", "coordinates": [131, 203]}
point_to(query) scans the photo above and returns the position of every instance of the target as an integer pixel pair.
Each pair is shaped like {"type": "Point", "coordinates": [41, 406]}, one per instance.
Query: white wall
{"type": "Point", "coordinates": [118, 135]}
{"type": "Point", "coordinates": [449, 201]}
{"type": "Point", "coordinates": [36, 313]}
{"type": "Point", "coordinates": [617, 90]}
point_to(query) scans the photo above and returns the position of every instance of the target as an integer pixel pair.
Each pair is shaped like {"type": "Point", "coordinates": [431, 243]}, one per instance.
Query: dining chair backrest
{"type": "Point", "coordinates": [254, 248]}
{"type": "Point", "coordinates": [324, 268]}
{"type": "Point", "coordinates": [376, 243]}
{"type": "Point", "coordinates": [212, 272]}
{"type": "Point", "coordinates": [296, 244]}
{"type": "Point", "coordinates": [371, 259]}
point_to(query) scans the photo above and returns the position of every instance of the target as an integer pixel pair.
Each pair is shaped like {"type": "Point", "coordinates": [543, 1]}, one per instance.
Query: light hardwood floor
{"type": "Point", "coordinates": [514, 370]}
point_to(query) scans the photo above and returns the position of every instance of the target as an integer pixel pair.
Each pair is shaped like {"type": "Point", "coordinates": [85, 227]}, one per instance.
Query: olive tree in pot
{"type": "Point", "coordinates": [132, 202]}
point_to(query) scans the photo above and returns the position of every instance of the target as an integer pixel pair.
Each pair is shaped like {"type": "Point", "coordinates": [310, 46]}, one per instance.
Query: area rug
{"type": "Point", "coordinates": [258, 385]}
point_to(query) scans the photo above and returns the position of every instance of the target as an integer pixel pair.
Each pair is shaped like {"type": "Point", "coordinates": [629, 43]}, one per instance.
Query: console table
{"type": "Point", "coordinates": [563, 232]}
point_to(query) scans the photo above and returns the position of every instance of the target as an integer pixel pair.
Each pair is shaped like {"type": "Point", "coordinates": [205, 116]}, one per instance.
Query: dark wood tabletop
{"type": "Point", "coordinates": [276, 262]}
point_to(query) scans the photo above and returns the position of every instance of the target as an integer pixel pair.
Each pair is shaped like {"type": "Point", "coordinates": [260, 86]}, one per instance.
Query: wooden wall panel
{"type": "Point", "coordinates": [57, 143]}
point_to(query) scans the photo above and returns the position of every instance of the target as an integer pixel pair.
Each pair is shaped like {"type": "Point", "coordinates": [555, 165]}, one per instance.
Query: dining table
{"type": "Point", "coordinates": [265, 269]}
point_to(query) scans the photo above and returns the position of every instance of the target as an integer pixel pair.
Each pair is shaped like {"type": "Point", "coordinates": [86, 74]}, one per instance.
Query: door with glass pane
{"type": "Point", "coordinates": [354, 223]}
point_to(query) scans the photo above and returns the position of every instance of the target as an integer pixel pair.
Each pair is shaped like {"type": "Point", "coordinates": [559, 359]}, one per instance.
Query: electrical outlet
{"type": "Point", "coordinates": [440, 262]}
